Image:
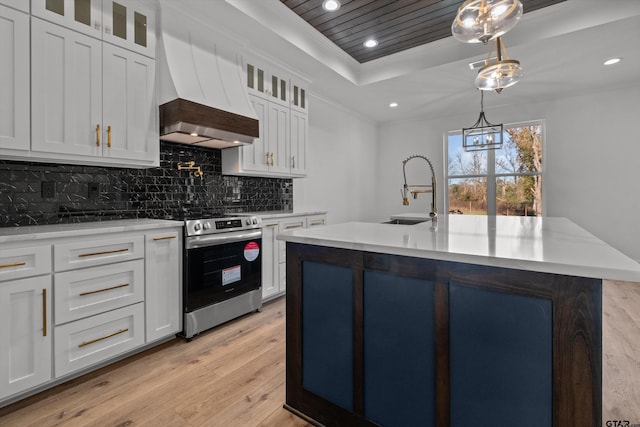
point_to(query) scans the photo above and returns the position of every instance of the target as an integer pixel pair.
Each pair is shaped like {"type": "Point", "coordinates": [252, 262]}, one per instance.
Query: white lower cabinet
{"type": "Point", "coordinates": [98, 338]}
{"type": "Point", "coordinates": [270, 260]}
{"type": "Point", "coordinates": [163, 255]}
{"type": "Point", "coordinates": [25, 334]}
{"type": "Point", "coordinates": [89, 291]}
{"type": "Point", "coordinates": [274, 252]}
{"type": "Point", "coordinates": [69, 304]}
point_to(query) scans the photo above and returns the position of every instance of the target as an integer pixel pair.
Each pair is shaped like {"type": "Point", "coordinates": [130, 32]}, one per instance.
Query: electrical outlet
{"type": "Point", "coordinates": [94, 190]}
{"type": "Point", "coordinates": [48, 189]}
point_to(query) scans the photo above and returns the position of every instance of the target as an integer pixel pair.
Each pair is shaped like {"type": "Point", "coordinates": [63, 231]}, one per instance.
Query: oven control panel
{"type": "Point", "coordinates": [221, 225]}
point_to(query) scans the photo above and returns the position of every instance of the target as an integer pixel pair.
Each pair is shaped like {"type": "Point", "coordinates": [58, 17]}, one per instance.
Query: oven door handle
{"type": "Point", "coordinates": [220, 239]}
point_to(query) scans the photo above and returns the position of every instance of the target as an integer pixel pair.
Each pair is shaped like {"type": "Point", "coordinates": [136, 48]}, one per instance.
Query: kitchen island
{"type": "Point", "coordinates": [473, 320]}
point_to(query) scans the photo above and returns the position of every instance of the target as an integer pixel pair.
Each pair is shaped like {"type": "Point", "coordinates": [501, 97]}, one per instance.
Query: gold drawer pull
{"type": "Point", "coordinates": [86, 343]}
{"type": "Point", "coordinates": [44, 312]}
{"type": "Point", "coordinates": [271, 225]}
{"type": "Point", "coordinates": [164, 238]}
{"type": "Point", "coordinates": [290, 227]}
{"type": "Point", "coordinates": [319, 222]}
{"type": "Point", "coordinates": [103, 253]}
{"type": "Point", "coordinates": [124, 285]}
{"type": "Point", "coordinates": [15, 264]}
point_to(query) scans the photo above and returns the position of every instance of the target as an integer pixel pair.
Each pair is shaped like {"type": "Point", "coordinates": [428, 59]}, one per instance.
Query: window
{"type": "Point", "coordinates": [507, 181]}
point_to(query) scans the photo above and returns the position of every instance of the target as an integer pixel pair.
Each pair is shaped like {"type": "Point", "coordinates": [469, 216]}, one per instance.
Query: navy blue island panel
{"type": "Point", "coordinates": [399, 383]}
{"type": "Point", "coordinates": [327, 331]}
{"type": "Point", "coordinates": [500, 358]}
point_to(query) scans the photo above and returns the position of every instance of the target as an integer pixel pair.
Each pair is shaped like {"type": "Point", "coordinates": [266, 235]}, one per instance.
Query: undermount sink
{"type": "Point", "coordinates": [405, 221]}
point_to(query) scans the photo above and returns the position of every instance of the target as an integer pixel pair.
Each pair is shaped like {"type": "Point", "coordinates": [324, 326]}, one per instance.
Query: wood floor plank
{"type": "Point", "coordinates": [621, 352]}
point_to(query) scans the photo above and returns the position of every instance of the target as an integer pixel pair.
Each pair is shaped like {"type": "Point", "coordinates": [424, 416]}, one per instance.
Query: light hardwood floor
{"type": "Point", "coordinates": [233, 376]}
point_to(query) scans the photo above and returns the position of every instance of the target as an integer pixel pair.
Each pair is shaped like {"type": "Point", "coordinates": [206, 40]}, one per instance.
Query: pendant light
{"type": "Point", "coordinates": [500, 73]}
{"type": "Point", "coordinates": [482, 135]}
{"type": "Point", "coordinates": [483, 20]}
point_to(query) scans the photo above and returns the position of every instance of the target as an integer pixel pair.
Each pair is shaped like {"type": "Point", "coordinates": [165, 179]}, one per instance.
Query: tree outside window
{"type": "Point", "coordinates": [507, 181]}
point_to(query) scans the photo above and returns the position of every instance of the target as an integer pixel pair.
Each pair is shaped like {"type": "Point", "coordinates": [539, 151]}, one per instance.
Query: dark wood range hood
{"type": "Point", "coordinates": [189, 122]}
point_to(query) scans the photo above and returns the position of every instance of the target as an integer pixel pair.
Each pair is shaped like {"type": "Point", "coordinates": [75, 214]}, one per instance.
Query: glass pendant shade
{"type": "Point", "coordinates": [482, 135]}
{"type": "Point", "coordinates": [483, 20]}
{"type": "Point", "coordinates": [500, 73]}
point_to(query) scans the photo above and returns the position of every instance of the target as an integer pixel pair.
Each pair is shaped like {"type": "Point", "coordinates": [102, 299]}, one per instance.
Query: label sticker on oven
{"type": "Point", "coordinates": [230, 275]}
{"type": "Point", "coordinates": [251, 251]}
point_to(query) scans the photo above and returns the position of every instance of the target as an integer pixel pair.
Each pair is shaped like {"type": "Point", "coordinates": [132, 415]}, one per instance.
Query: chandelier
{"type": "Point", "coordinates": [484, 20]}
{"type": "Point", "coordinates": [500, 73]}
{"type": "Point", "coordinates": [482, 135]}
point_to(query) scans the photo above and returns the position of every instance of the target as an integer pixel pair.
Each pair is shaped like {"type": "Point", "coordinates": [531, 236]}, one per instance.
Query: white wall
{"type": "Point", "coordinates": [341, 155]}
{"type": "Point", "coordinates": [592, 156]}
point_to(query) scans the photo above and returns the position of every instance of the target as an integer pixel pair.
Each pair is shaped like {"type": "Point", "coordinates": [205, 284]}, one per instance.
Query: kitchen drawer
{"type": "Point", "coordinates": [295, 223]}
{"type": "Point", "coordinates": [90, 291]}
{"type": "Point", "coordinates": [95, 339]}
{"type": "Point", "coordinates": [17, 263]}
{"type": "Point", "coordinates": [99, 250]}
{"type": "Point", "coordinates": [316, 221]}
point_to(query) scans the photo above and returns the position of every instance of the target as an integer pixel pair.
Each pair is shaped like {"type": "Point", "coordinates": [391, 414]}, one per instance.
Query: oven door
{"type": "Point", "coordinates": [221, 266]}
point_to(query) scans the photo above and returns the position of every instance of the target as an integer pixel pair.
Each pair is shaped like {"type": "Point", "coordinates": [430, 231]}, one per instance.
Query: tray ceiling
{"type": "Point", "coordinates": [397, 25]}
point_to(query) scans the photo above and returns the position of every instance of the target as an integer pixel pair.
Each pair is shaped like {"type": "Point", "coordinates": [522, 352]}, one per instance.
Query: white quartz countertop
{"type": "Point", "coordinates": [36, 232]}
{"type": "Point", "coordinates": [545, 244]}
{"type": "Point", "coordinates": [280, 214]}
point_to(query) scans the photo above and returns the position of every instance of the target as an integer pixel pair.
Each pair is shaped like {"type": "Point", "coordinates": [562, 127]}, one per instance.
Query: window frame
{"type": "Point", "coordinates": [491, 176]}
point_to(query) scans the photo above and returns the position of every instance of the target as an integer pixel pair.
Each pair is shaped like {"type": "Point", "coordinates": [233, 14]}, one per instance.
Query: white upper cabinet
{"type": "Point", "coordinates": [91, 100]}
{"type": "Point", "coordinates": [16, 4]}
{"type": "Point", "coordinates": [280, 151]}
{"type": "Point", "coordinates": [66, 91]}
{"type": "Point", "coordinates": [129, 107]}
{"type": "Point", "coordinates": [125, 23]}
{"type": "Point", "coordinates": [14, 79]}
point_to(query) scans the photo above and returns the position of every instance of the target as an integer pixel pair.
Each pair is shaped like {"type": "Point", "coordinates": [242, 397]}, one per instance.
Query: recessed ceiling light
{"type": "Point", "coordinates": [612, 61]}
{"type": "Point", "coordinates": [393, 105]}
{"type": "Point", "coordinates": [331, 5]}
{"type": "Point", "coordinates": [193, 134]}
{"type": "Point", "coordinates": [370, 43]}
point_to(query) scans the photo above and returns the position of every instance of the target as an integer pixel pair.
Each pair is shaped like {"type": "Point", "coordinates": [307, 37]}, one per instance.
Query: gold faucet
{"type": "Point", "coordinates": [197, 171]}
{"type": "Point", "coordinates": [416, 189]}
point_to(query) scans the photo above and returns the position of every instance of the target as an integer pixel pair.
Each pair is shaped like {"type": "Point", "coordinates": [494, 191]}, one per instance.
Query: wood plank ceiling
{"type": "Point", "coordinates": [396, 24]}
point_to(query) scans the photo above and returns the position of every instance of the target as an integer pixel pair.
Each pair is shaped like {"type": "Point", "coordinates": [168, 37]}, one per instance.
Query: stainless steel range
{"type": "Point", "coordinates": [222, 271]}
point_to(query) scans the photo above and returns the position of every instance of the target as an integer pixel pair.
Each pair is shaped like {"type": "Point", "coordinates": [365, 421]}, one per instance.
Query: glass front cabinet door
{"type": "Point", "coordinates": [125, 23]}
{"type": "Point", "coordinates": [129, 24]}
{"type": "Point", "coordinates": [84, 16]}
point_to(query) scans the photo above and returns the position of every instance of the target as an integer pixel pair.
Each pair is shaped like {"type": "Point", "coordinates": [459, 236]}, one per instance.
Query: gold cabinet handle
{"type": "Point", "coordinates": [44, 312]}
{"type": "Point", "coordinates": [291, 227]}
{"type": "Point", "coordinates": [319, 222]}
{"type": "Point", "coordinates": [164, 238]}
{"type": "Point", "coordinates": [97, 135]}
{"type": "Point", "coordinates": [109, 136]}
{"type": "Point", "coordinates": [293, 161]}
{"type": "Point", "coordinates": [271, 225]}
{"type": "Point", "coordinates": [86, 343]}
{"type": "Point", "coordinates": [124, 285]}
{"type": "Point", "coordinates": [103, 253]}
{"type": "Point", "coordinates": [15, 264]}
{"type": "Point", "coordinates": [267, 159]}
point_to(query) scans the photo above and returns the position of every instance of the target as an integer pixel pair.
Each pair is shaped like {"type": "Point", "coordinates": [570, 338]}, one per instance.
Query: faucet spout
{"type": "Point", "coordinates": [415, 189]}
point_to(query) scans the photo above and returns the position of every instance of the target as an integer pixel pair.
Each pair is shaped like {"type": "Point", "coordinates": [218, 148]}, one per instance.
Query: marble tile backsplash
{"type": "Point", "coordinates": [45, 193]}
